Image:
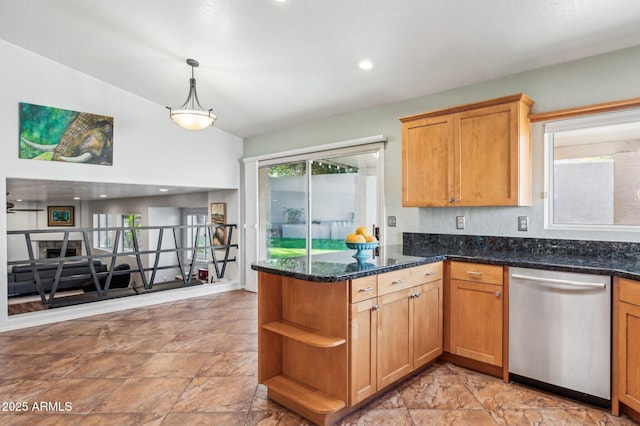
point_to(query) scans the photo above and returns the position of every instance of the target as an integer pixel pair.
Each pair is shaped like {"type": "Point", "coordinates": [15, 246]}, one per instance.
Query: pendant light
{"type": "Point", "coordinates": [191, 115]}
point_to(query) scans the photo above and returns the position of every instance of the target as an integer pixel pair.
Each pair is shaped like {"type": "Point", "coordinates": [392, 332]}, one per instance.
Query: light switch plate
{"type": "Point", "coordinates": [391, 221]}
{"type": "Point", "coordinates": [459, 222]}
{"type": "Point", "coordinates": [523, 223]}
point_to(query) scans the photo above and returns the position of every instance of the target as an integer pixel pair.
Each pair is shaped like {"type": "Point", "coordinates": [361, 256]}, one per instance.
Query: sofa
{"type": "Point", "coordinates": [75, 275]}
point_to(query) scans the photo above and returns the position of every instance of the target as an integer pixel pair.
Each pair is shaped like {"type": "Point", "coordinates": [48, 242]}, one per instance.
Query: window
{"type": "Point", "coordinates": [131, 221]}
{"type": "Point", "coordinates": [592, 178]}
{"type": "Point", "coordinates": [197, 218]}
{"type": "Point", "coordinates": [102, 239]}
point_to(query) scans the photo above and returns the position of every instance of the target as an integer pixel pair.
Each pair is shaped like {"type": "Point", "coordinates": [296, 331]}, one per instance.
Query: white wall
{"type": "Point", "coordinates": [148, 148]}
{"type": "Point", "coordinates": [598, 79]}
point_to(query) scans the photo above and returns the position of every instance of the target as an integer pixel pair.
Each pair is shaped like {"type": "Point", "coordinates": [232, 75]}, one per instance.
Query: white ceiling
{"type": "Point", "coordinates": [266, 65]}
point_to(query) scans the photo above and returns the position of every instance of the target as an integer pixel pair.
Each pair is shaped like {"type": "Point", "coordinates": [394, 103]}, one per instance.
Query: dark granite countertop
{"type": "Point", "coordinates": [626, 268]}
{"type": "Point", "coordinates": [340, 266]}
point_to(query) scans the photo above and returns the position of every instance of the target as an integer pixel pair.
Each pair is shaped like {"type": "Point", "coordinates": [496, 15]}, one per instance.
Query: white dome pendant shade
{"type": "Point", "coordinates": [190, 115]}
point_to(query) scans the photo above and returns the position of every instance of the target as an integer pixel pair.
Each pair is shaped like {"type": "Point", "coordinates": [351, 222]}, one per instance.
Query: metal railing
{"type": "Point", "coordinates": [185, 264]}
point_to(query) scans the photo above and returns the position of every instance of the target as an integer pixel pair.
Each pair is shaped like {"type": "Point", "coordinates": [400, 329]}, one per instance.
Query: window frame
{"type": "Point", "coordinates": [593, 116]}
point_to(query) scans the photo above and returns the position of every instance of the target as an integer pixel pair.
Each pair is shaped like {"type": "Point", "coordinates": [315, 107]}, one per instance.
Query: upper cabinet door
{"type": "Point", "coordinates": [487, 153]}
{"type": "Point", "coordinates": [427, 162]}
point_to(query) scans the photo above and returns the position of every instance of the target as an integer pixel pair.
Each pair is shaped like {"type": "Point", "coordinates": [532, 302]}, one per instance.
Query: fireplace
{"type": "Point", "coordinates": [55, 252]}
{"type": "Point", "coordinates": [49, 249]}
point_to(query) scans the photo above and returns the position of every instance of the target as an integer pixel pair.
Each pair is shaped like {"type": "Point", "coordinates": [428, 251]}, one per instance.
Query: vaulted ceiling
{"type": "Point", "coordinates": [268, 64]}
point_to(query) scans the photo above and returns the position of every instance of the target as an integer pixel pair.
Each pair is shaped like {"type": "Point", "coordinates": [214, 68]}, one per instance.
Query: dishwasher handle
{"type": "Point", "coordinates": [558, 281]}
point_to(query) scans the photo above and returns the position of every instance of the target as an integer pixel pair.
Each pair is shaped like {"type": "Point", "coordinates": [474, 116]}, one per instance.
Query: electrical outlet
{"type": "Point", "coordinates": [459, 222]}
{"type": "Point", "coordinates": [391, 221]}
{"type": "Point", "coordinates": [523, 223]}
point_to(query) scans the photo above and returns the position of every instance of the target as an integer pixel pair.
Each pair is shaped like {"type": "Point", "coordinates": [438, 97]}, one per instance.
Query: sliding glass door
{"type": "Point", "coordinates": [309, 205]}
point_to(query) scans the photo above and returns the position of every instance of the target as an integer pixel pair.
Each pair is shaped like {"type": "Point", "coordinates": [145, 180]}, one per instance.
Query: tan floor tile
{"type": "Point", "coordinates": [178, 364]}
{"type": "Point", "coordinates": [276, 418]}
{"type": "Point", "coordinates": [40, 366]}
{"type": "Point", "coordinates": [368, 417]}
{"type": "Point", "coordinates": [244, 326]}
{"type": "Point", "coordinates": [143, 395]}
{"type": "Point", "coordinates": [238, 343]}
{"type": "Point", "coordinates": [194, 342]}
{"type": "Point", "coordinates": [108, 365]}
{"type": "Point", "coordinates": [475, 417]}
{"type": "Point", "coordinates": [495, 394]}
{"type": "Point", "coordinates": [205, 419]}
{"type": "Point", "coordinates": [24, 419]}
{"type": "Point", "coordinates": [216, 394]}
{"type": "Point", "coordinates": [230, 364]}
{"type": "Point", "coordinates": [443, 391]}
{"type": "Point", "coordinates": [83, 394]}
{"type": "Point", "coordinates": [137, 419]}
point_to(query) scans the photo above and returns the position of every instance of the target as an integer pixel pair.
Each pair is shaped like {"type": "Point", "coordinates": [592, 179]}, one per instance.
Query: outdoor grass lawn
{"type": "Point", "coordinates": [281, 248]}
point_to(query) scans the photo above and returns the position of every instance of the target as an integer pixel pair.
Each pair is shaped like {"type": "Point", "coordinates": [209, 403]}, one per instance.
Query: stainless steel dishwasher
{"type": "Point", "coordinates": [560, 332]}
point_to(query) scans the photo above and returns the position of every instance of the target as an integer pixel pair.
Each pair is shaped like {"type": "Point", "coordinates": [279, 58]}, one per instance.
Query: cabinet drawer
{"type": "Point", "coordinates": [490, 274]}
{"type": "Point", "coordinates": [410, 277]}
{"type": "Point", "coordinates": [629, 291]}
{"type": "Point", "coordinates": [364, 288]}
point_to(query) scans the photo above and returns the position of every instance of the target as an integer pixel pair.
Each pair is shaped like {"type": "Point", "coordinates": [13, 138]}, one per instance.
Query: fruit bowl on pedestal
{"type": "Point", "coordinates": [361, 248]}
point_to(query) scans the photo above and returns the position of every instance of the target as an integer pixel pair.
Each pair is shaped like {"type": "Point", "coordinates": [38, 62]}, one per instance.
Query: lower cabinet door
{"type": "Point", "coordinates": [364, 325]}
{"type": "Point", "coordinates": [476, 321]}
{"type": "Point", "coordinates": [427, 323]}
{"type": "Point", "coordinates": [629, 354]}
{"type": "Point", "coordinates": [395, 336]}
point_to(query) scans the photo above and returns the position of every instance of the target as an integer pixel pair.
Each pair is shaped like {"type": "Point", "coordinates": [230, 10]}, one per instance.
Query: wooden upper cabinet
{"type": "Point", "coordinates": [472, 155]}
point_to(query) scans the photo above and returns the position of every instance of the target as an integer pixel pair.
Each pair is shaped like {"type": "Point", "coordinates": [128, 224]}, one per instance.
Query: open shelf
{"type": "Point", "coordinates": [306, 396]}
{"type": "Point", "coordinates": [303, 334]}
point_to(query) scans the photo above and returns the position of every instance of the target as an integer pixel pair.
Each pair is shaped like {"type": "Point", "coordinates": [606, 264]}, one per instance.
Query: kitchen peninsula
{"type": "Point", "coordinates": [333, 334]}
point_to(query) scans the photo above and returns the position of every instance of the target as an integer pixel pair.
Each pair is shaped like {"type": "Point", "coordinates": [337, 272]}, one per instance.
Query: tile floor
{"type": "Point", "coordinates": [193, 362]}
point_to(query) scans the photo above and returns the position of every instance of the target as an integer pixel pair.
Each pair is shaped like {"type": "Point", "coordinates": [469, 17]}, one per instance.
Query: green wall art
{"type": "Point", "coordinates": [55, 134]}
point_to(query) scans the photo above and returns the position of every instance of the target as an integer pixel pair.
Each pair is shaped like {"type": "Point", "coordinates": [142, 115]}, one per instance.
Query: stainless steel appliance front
{"type": "Point", "coordinates": [560, 330]}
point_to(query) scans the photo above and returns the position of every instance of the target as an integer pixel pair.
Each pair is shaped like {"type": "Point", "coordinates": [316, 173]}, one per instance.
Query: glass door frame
{"type": "Point", "coordinates": [308, 158]}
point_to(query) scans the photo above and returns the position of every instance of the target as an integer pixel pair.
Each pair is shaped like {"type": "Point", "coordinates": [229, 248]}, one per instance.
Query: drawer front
{"type": "Point", "coordinates": [409, 277]}
{"type": "Point", "coordinates": [629, 291]}
{"type": "Point", "coordinates": [364, 288]}
{"type": "Point", "coordinates": [490, 274]}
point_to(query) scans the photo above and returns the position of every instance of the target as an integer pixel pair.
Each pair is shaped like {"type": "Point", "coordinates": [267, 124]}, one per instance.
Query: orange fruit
{"type": "Point", "coordinates": [362, 230]}
{"type": "Point", "coordinates": [370, 238]}
{"type": "Point", "coordinates": [351, 238]}
{"type": "Point", "coordinates": [359, 239]}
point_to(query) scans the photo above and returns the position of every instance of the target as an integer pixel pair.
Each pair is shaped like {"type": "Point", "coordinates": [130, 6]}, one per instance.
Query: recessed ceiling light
{"type": "Point", "coordinates": [365, 64]}
{"type": "Point", "coordinates": [163, 190]}
{"type": "Point", "coordinates": [76, 198]}
{"type": "Point", "coordinates": [102, 196]}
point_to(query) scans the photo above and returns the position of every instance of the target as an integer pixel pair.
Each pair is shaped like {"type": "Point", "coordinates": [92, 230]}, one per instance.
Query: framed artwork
{"type": "Point", "coordinates": [55, 134]}
{"type": "Point", "coordinates": [60, 216]}
{"type": "Point", "coordinates": [219, 217]}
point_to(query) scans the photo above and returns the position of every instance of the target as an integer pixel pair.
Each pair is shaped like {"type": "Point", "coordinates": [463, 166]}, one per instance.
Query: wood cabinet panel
{"type": "Point", "coordinates": [629, 355]}
{"type": "Point", "coordinates": [427, 323]}
{"type": "Point", "coordinates": [626, 345]}
{"type": "Point", "coordinates": [410, 277]}
{"type": "Point", "coordinates": [473, 155]}
{"type": "Point", "coordinates": [395, 342]}
{"type": "Point", "coordinates": [467, 271]}
{"type": "Point", "coordinates": [427, 162]}
{"type": "Point", "coordinates": [476, 321]}
{"type": "Point", "coordinates": [364, 288]}
{"type": "Point", "coordinates": [363, 346]}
